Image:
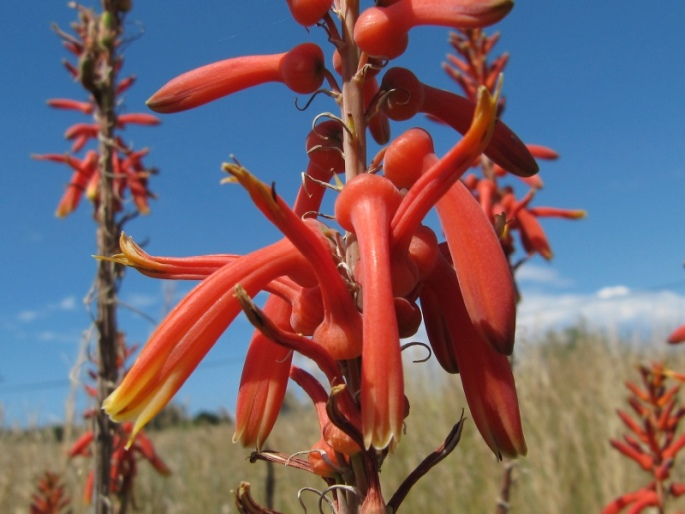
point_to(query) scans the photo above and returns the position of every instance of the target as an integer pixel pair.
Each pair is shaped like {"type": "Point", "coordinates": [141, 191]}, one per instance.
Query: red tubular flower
{"type": "Point", "coordinates": [81, 446]}
{"type": "Point", "coordinates": [365, 207]}
{"type": "Point", "coordinates": [677, 336]}
{"type": "Point", "coordinates": [67, 103]}
{"type": "Point", "coordinates": [89, 130]}
{"type": "Point", "coordinates": [84, 170]}
{"type": "Point", "coordinates": [484, 275]}
{"type": "Point", "coordinates": [301, 69]}
{"type": "Point", "coordinates": [341, 330]}
{"type": "Point", "coordinates": [533, 235]}
{"type": "Point", "coordinates": [441, 173]}
{"type": "Point", "coordinates": [383, 31]}
{"type": "Point", "coordinates": [623, 501]}
{"type": "Point", "coordinates": [174, 268]}
{"type": "Point", "coordinates": [178, 345]}
{"type": "Point", "coordinates": [137, 118]}
{"type": "Point", "coordinates": [124, 84]}
{"type": "Point", "coordinates": [144, 447]}
{"type": "Point", "coordinates": [555, 212]}
{"type": "Point", "coordinates": [264, 380]}
{"type": "Point", "coordinates": [409, 96]}
{"type": "Point", "coordinates": [645, 460]}
{"type": "Point", "coordinates": [486, 374]}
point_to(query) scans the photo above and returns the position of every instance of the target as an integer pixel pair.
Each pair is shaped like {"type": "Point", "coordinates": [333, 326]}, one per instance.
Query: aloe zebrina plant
{"type": "Point", "coordinates": [343, 292]}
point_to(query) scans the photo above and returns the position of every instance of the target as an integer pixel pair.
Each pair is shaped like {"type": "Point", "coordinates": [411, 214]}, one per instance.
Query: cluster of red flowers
{"type": "Point", "coordinates": [654, 443]}
{"type": "Point", "coordinates": [470, 68]}
{"type": "Point", "coordinates": [124, 463]}
{"type": "Point", "coordinates": [344, 296]}
{"type": "Point", "coordinates": [130, 174]}
{"type": "Point", "coordinates": [50, 496]}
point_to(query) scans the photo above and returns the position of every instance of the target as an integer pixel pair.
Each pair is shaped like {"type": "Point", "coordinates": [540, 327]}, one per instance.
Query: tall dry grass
{"type": "Point", "coordinates": [569, 388]}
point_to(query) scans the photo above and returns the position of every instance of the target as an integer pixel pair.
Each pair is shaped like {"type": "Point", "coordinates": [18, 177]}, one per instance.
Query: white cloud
{"type": "Point", "coordinates": [542, 275]}
{"type": "Point", "coordinates": [611, 308]}
{"type": "Point", "coordinates": [67, 304]}
{"type": "Point", "coordinates": [27, 316]}
{"type": "Point", "coordinates": [611, 292]}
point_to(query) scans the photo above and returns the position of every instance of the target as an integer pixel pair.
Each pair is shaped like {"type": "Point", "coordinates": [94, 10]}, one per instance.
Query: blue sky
{"type": "Point", "coordinates": [597, 82]}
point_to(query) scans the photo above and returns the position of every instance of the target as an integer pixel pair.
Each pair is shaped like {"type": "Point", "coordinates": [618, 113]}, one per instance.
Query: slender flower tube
{"type": "Point", "coordinates": [173, 268]}
{"type": "Point", "coordinates": [84, 170]}
{"type": "Point", "coordinates": [365, 207]}
{"type": "Point", "coordinates": [67, 103]}
{"type": "Point", "coordinates": [264, 380]}
{"type": "Point", "coordinates": [533, 235]}
{"type": "Point", "coordinates": [383, 31]}
{"type": "Point", "coordinates": [486, 374]}
{"type": "Point", "coordinates": [409, 96]}
{"type": "Point", "coordinates": [555, 212]}
{"type": "Point", "coordinates": [444, 172]}
{"type": "Point", "coordinates": [137, 118]}
{"type": "Point", "coordinates": [485, 278]}
{"type": "Point", "coordinates": [341, 330]}
{"type": "Point", "coordinates": [301, 69]}
{"type": "Point", "coordinates": [183, 339]}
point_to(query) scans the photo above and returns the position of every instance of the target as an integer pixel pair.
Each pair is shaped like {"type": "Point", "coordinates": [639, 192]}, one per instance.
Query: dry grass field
{"type": "Point", "coordinates": [569, 388]}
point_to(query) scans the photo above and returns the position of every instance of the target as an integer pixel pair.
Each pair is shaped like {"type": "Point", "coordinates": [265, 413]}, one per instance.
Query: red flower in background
{"type": "Point", "coordinates": [128, 447]}
{"type": "Point", "coordinates": [654, 442]}
{"type": "Point", "coordinates": [130, 174]}
{"type": "Point", "coordinates": [471, 68]}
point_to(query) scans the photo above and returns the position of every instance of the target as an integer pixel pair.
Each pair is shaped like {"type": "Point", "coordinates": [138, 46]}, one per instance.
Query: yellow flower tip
{"type": "Point", "coordinates": [262, 195]}
{"type": "Point", "coordinates": [579, 214]}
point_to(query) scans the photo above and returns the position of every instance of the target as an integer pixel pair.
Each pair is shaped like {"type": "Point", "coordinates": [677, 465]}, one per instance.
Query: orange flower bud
{"type": "Point", "coordinates": [301, 69]}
